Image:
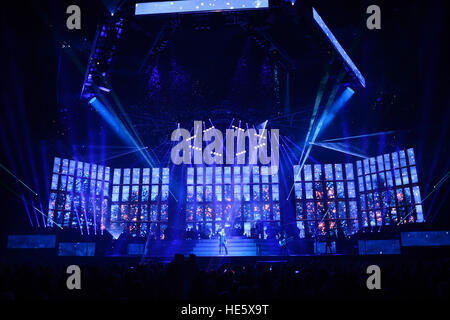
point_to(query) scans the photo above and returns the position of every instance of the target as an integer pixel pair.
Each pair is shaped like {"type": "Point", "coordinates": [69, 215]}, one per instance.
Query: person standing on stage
{"type": "Point", "coordinates": [282, 240]}
{"type": "Point", "coordinates": [328, 243]}
{"type": "Point", "coordinates": [222, 242]}
{"type": "Point", "coordinates": [259, 229]}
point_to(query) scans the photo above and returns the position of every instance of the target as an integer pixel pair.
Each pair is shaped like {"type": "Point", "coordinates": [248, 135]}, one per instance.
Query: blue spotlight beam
{"type": "Point", "coordinates": [139, 143]}
{"type": "Point", "coordinates": [329, 115]}
{"type": "Point", "coordinates": [58, 225]}
{"type": "Point", "coordinates": [161, 7]}
{"type": "Point", "coordinates": [325, 119]}
{"type": "Point", "coordinates": [23, 183]}
{"type": "Point", "coordinates": [124, 153]}
{"type": "Point", "coordinates": [116, 124]}
{"type": "Point", "coordinates": [362, 136]}
{"type": "Point", "coordinates": [26, 203]}
{"type": "Point", "coordinates": [437, 186]}
{"type": "Point", "coordinates": [319, 95]}
{"type": "Point", "coordinates": [339, 48]}
{"type": "Point", "coordinates": [440, 205]}
{"type": "Point", "coordinates": [330, 147]}
{"type": "Point", "coordinates": [319, 125]}
{"type": "Point", "coordinates": [103, 147]}
{"type": "Point", "coordinates": [111, 119]}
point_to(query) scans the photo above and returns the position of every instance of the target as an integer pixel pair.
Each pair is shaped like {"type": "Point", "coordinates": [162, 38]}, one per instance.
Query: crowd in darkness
{"type": "Point", "coordinates": [183, 278]}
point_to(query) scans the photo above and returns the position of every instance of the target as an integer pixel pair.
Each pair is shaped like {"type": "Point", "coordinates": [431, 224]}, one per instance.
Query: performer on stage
{"type": "Point", "coordinates": [328, 243]}
{"type": "Point", "coordinates": [282, 240]}
{"type": "Point", "coordinates": [259, 229]}
{"type": "Point", "coordinates": [150, 238]}
{"type": "Point", "coordinates": [222, 241]}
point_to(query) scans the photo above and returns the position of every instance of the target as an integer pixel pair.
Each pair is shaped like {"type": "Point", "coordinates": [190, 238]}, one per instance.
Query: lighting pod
{"type": "Point", "coordinates": [162, 7]}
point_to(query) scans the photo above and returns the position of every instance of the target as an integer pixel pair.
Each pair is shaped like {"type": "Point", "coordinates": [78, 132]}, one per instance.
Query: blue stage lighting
{"type": "Point", "coordinates": [108, 114]}
{"type": "Point", "coordinates": [198, 6]}
{"type": "Point", "coordinates": [383, 133]}
{"type": "Point", "coordinates": [339, 48]}
{"type": "Point", "coordinates": [326, 118]}
{"type": "Point", "coordinates": [262, 125]}
{"type": "Point", "coordinates": [104, 89]}
{"type": "Point", "coordinates": [340, 147]}
{"type": "Point", "coordinates": [337, 105]}
{"type": "Point", "coordinates": [112, 120]}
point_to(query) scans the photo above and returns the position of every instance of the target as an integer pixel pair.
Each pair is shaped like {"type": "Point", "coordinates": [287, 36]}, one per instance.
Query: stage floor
{"type": "Point", "coordinates": [236, 247]}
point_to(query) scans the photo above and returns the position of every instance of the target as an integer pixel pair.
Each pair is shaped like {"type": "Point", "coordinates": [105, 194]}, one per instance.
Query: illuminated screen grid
{"type": "Point", "coordinates": [161, 7]}
{"type": "Point", "coordinates": [231, 196]}
{"type": "Point", "coordinates": [79, 195]}
{"type": "Point", "coordinates": [389, 190]}
{"type": "Point", "coordinates": [325, 199]}
{"type": "Point", "coordinates": [140, 200]}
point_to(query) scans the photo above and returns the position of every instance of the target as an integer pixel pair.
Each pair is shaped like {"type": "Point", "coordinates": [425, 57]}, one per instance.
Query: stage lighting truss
{"type": "Point", "coordinates": [198, 22]}
{"type": "Point", "coordinates": [159, 43]}
{"type": "Point", "coordinates": [191, 6]}
{"type": "Point", "coordinates": [348, 62]}
{"type": "Point", "coordinates": [205, 22]}
{"type": "Point", "coordinates": [103, 49]}
{"type": "Point", "coordinates": [264, 41]}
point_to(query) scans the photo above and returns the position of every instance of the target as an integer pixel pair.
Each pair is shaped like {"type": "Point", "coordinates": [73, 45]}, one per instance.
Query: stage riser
{"type": "Point", "coordinates": [236, 247]}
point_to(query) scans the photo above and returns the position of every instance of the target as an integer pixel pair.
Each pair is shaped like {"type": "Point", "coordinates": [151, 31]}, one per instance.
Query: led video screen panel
{"type": "Point", "coordinates": [80, 198]}
{"type": "Point", "coordinates": [325, 199]}
{"type": "Point", "coordinates": [389, 189]}
{"type": "Point", "coordinates": [161, 7]}
{"type": "Point", "coordinates": [136, 248]}
{"type": "Point", "coordinates": [31, 241]}
{"type": "Point", "coordinates": [80, 249]}
{"type": "Point", "coordinates": [79, 195]}
{"type": "Point", "coordinates": [140, 198]}
{"type": "Point", "coordinates": [378, 247]}
{"type": "Point", "coordinates": [425, 238]}
{"type": "Point", "coordinates": [320, 248]}
{"type": "Point", "coordinates": [231, 197]}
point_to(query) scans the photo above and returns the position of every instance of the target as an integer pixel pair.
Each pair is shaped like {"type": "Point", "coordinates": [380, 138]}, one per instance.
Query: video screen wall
{"type": "Point", "coordinates": [325, 199]}
{"type": "Point", "coordinates": [140, 201]}
{"type": "Point", "coordinates": [79, 195]}
{"type": "Point", "coordinates": [389, 189]}
{"type": "Point", "coordinates": [341, 198]}
{"type": "Point", "coordinates": [231, 197]}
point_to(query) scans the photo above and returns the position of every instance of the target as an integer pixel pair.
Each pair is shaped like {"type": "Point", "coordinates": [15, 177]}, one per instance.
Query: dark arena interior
{"type": "Point", "coordinates": [210, 151]}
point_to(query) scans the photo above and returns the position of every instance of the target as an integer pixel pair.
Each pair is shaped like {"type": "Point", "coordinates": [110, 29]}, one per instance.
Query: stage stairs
{"type": "Point", "coordinates": [210, 248]}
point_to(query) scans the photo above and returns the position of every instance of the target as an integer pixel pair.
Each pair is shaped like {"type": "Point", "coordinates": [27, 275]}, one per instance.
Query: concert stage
{"type": "Point", "coordinates": [241, 253]}
{"type": "Point", "coordinates": [235, 246]}
{"type": "Point", "coordinates": [226, 132]}
{"type": "Point", "coordinates": [62, 245]}
{"type": "Point", "coordinates": [239, 151]}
